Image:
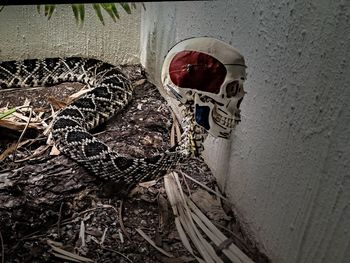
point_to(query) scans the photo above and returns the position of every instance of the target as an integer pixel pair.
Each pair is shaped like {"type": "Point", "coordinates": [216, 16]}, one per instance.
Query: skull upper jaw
{"type": "Point", "coordinates": [215, 118]}
{"type": "Point", "coordinates": [218, 113]}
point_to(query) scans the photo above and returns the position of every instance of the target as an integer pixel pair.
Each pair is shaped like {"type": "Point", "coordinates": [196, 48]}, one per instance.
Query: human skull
{"type": "Point", "coordinates": [210, 74]}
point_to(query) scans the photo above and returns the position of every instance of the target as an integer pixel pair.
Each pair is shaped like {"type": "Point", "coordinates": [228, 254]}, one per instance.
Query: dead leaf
{"type": "Point", "coordinates": [148, 183]}
{"type": "Point", "coordinates": [13, 148]}
{"type": "Point", "coordinates": [39, 151]}
{"type": "Point", "coordinates": [139, 82]}
{"type": "Point", "coordinates": [210, 205]}
{"type": "Point", "coordinates": [150, 241]}
{"type": "Point", "coordinates": [182, 259]}
{"type": "Point", "coordinates": [54, 151]}
{"type": "Point", "coordinates": [57, 104]}
{"type": "Point", "coordinates": [8, 151]}
{"type": "Point", "coordinates": [78, 94]}
{"type": "Point", "coordinates": [59, 252]}
{"type": "Point", "coordinates": [163, 211]}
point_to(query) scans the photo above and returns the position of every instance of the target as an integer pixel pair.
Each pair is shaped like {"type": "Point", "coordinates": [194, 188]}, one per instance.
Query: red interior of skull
{"type": "Point", "coordinates": [196, 70]}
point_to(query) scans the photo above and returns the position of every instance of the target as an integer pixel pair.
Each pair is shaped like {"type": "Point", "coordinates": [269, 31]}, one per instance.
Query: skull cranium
{"type": "Point", "coordinates": [210, 74]}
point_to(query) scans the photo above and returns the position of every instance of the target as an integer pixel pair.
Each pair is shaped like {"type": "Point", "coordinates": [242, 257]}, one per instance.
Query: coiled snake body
{"type": "Point", "coordinates": [112, 92]}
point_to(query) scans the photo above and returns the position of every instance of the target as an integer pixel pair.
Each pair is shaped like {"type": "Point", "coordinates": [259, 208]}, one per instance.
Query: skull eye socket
{"type": "Point", "coordinates": [232, 88]}
{"type": "Point", "coordinates": [197, 70]}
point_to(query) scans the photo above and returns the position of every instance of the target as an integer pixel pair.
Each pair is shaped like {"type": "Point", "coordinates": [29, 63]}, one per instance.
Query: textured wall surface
{"type": "Point", "coordinates": [27, 34]}
{"type": "Point", "coordinates": [287, 169]}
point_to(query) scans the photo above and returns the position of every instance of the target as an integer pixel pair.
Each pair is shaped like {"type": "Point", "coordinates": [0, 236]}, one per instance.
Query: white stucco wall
{"type": "Point", "coordinates": [287, 168]}
{"type": "Point", "coordinates": [27, 34]}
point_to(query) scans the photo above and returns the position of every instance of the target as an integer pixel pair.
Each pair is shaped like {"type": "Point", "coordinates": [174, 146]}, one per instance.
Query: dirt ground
{"type": "Point", "coordinates": [48, 201]}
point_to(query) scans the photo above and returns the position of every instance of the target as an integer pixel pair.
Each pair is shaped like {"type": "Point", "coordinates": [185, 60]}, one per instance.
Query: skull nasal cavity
{"type": "Point", "coordinates": [196, 70]}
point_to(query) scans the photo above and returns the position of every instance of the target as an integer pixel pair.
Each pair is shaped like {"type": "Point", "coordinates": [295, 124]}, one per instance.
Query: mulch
{"type": "Point", "coordinates": [49, 202]}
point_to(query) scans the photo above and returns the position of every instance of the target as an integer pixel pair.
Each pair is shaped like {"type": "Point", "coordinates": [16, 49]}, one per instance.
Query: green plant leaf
{"type": "Point", "coordinates": [46, 9]}
{"type": "Point", "coordinates": [7, 113]}
{"type": "Point", "coordinates": [109, 8]}
{"type": "Point", "coordinates": [115, 11]}
{"type": "Point", "coordinates": [126, 7]}
{"type": "Point", "coordinates": [49, 10]}
{"type": "Point", "coordinates": [52, 9]}
{"type": "Point", "coordinates": [75, 12]}
{"type": "Point", "coordinates": [97, 8]}
{"type": "Point", "coordinates": [81, 9]}
{"type": "Point", "coordinates": [79, 12]}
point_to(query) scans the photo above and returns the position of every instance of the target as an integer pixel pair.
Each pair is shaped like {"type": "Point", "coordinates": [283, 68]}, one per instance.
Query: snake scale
{"type": "Point", "coordinates": [70, 130]}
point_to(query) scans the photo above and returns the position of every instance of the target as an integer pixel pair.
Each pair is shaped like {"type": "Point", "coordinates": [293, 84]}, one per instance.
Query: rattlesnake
{"type": "Point", "coordinates": [112, 92]}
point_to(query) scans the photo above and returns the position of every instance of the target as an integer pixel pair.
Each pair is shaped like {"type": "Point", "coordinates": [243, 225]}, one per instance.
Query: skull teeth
{"type": "Point", "coordinates": [223, 121]}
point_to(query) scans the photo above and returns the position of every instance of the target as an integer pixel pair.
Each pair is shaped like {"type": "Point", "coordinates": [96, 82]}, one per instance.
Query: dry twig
{"type": "Point", "coordinates": [64, 254]}
{"type": "Point", "coordinates": [149, 240]}
{"type": "Point", "coordinates": [59, 220]}
{"type": "Point", "coordinates": [23, 132]}
{"type": "Point", "coordinates": [206, 187]}
{"type": "Point", "coordinates": [121, 222]}
{"type": "Point", "coordinates": [2, 249]}
{"type": "Point", "coordinates": [117, 252]}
